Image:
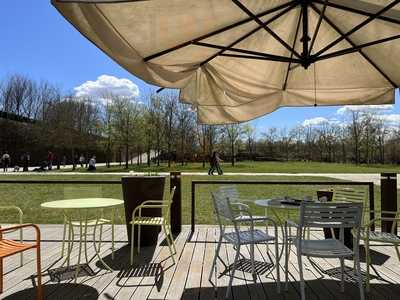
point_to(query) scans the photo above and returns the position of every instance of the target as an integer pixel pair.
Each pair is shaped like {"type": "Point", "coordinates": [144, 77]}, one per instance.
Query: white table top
{"type": "Point", "coordinates": [83, 203]}
{"type": "Point", "coordinates": [275, 203]}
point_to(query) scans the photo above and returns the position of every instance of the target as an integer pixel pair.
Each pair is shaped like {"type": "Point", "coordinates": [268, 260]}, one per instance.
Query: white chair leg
{"type": "Point", "coordinates": [342, 275]}
{"type": "Point", "coordinates": [368, 262]}
{"type": "Point", "coordinates": [287, 253]}
{"type": "Point", "coordinates": [253, 268]}
{"type": "Point", "coordinates": [278, 277]}
{"type": "Point", "coordinates": [228, 291]}
{"type": "Point", "coordinates": [360, 283]}
{"type": "Point", "coordinates": [215, 257]}
{"type": "Point", "coordinates": [302, 287]}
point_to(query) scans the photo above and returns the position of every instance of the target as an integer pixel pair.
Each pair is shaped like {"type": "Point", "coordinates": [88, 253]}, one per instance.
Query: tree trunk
{"type": "Point", "coordinates": [126, 157]}
{"type": "Point", "coordinates": [233, 154]}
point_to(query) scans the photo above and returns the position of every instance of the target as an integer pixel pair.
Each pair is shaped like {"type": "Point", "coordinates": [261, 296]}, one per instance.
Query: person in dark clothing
{"type": "Point", "coordinates": [25, 161]}
{"type": "Point", "coordinates": [215, 164]}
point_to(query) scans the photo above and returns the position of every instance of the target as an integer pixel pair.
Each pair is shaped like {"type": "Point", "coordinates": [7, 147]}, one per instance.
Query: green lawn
{"type": "Point", "coordinates": [261, 167]}
{"type": "Point", "coordinates": [29, 197]}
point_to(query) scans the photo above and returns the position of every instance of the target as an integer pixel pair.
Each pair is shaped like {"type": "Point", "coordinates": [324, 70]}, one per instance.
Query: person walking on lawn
{"type": "Point", "coordinates": [6, 159]}
{"type": "Point", "coordinates": [215, 164]}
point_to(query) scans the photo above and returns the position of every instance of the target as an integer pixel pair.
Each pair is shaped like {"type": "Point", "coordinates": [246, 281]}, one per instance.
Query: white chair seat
{"type": "Point", "coordinates": [245, 237]}
{"type": "Point", "coordinates": [384, 237]}
{"type": "Point", "coordinates": [323, 248]}
{"type": "Point", "coordinates": [244, 218]}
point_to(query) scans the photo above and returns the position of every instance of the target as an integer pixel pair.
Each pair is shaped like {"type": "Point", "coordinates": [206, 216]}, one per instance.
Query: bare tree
{"type": "Point", "coordinates": [233, 133]}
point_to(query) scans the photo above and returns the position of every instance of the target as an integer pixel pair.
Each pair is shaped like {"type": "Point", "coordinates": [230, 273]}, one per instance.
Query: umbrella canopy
{"type": "Point", "coordinates": [236, 60]}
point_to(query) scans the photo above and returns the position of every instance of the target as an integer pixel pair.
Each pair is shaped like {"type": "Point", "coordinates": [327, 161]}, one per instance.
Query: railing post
{"type": "Point", "coordinates": [176, 207]}
{"type": "Point", "coordinates": [371, 203]}
{"type": "Point", "coordinates": [192, 220]}
{"type": "Point", "coordinates": [388, 198]}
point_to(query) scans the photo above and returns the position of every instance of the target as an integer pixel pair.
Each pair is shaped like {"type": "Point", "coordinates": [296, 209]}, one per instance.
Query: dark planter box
{"type": "Point", "coordinates": [136, 190]}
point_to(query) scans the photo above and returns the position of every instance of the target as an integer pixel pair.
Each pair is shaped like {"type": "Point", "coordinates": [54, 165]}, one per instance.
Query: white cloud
{"type": "Point", "coordinates": [105, 85]}
{"type": "Point", "coordinates": [377, 108]}
{"type": "Point", "coordinates": [390, 118]}
{"type": "Point", "coordinates": [314, 121]}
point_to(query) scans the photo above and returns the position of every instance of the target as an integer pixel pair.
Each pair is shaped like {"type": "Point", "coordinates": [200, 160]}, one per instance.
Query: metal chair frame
{"type": "Point", "coordinates": [10, 247]}
{"type": "Point", "coordinates": [326, 215]}
{"type": "Point", "coordinates": [231, 213]}
{"type": "Point", "coordinates": [164, 222]}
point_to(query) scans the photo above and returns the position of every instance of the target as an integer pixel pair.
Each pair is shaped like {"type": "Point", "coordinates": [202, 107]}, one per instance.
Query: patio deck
{"type": "Point", "coordinates": [157, 278]}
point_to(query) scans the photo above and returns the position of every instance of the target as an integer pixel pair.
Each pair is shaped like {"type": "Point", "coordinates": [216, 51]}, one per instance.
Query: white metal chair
{"type": "Point", "coordinates": [229, 213]}
{"type": "Point", "coordinates": [231, 192]}
{"type": "Point", "coordinates": [367, 235]}
{"type": "Point", "coordinates": [327, 215]}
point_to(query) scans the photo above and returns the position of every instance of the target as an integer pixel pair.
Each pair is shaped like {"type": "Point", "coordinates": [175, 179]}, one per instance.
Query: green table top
{"type": "Point", "coordinates": [83, 203]}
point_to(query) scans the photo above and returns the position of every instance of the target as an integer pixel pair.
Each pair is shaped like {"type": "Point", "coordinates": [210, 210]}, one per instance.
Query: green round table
{"type": "Point", "coordinates": [76, 214]}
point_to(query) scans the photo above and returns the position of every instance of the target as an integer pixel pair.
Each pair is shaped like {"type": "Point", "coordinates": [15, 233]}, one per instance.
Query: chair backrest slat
{"type": "Point", "coordinates": [231, 192]}
{"type": "Point", "coordinates": [333, 214]}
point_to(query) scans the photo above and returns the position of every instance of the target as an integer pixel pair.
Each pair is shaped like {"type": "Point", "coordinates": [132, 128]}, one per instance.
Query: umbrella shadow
{"type": "Point", "coordinates": [54, 291]}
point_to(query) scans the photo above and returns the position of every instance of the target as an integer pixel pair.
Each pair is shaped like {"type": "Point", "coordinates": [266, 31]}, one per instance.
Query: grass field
{"type": "Point", "coordinates": [29, 197]}
{"type": "Point", "coordinates": [260, 167]}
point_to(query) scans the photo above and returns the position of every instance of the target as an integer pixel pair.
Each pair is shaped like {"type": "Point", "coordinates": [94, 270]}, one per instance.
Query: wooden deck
{"type": "Point", "coordinates": [157, 278]}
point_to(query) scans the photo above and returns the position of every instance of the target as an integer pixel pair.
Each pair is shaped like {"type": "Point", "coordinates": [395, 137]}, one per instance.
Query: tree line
{"type": "Point", "coordinates": [117, 128]}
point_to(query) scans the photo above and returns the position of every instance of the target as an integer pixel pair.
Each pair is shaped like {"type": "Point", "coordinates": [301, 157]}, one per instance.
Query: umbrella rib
{"type": "Point", "coordinates": [271, 32]}
{"type": "Point", "coordinates": [356, 48]}
{"type": "Point", "coordinates": [356, 28]}
{"type": "Point", "coordinates": [366, 57]}
{"type": "Point", "coordinates": [218, 31]}
{"type": "Point", "coordinates": [269, 57]}
{"type": "Point", "coordinates": [318, 26]}
{"type": "Point", "coordinates": [357, 11]}
{"type": "Point", "coordinates": [248, 34]}
{"type": "Point", "coordinates": [291, 55]}
{"type": "Point", "coordinates": [249, 52]}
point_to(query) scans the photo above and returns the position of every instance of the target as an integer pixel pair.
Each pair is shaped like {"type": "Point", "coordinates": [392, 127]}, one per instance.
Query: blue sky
{"type": "Point", "coordinates": [36, 41]}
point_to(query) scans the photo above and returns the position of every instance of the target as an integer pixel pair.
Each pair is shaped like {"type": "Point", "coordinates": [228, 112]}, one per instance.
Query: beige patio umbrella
{"type": "Point", "coordinates": [236, 60]}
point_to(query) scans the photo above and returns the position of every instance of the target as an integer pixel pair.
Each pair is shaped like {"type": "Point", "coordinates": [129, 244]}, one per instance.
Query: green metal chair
{"type": "Point", "coordinates": [20, 220]}
{"type": "Point", "coordinates": [163, 221]}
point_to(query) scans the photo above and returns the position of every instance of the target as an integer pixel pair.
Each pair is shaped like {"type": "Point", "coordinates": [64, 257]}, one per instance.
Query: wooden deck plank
{"type": "Point", "coordinates": [180, 275]}
{"type": "Point", "coordinates": [207, 289]}
{"type": "Point", "coordinates": [164, 261]}
{"type": "Point", "coordinates": [189, 277]}
{"type": "Point", "coordinates": [168, 269]}
{"type": "Point", "coordinates": [193, 280]}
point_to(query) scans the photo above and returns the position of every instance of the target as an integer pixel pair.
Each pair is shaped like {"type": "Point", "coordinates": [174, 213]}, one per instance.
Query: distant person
{"type": "Point", "coordinates": [25, 162]}
{"type": "Point", "coordinates": [6, 159]}
{"type": "Point", "coordinates": [92, 164]}
{"type": "Point", "coordinates": [81, 160]}
{"type": "Point", "coordinates": [50, 158]}
{"type": "Point", "coordinates": [215, 164]}
{"type": "Point", "coordinates": [64, 161]}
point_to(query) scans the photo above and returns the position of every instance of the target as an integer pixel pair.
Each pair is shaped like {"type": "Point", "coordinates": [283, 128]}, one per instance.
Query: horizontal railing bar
{"type": "Point", "coordinates": [60, 182]}
{"type": "Point", "coordinates": [282, 182]}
